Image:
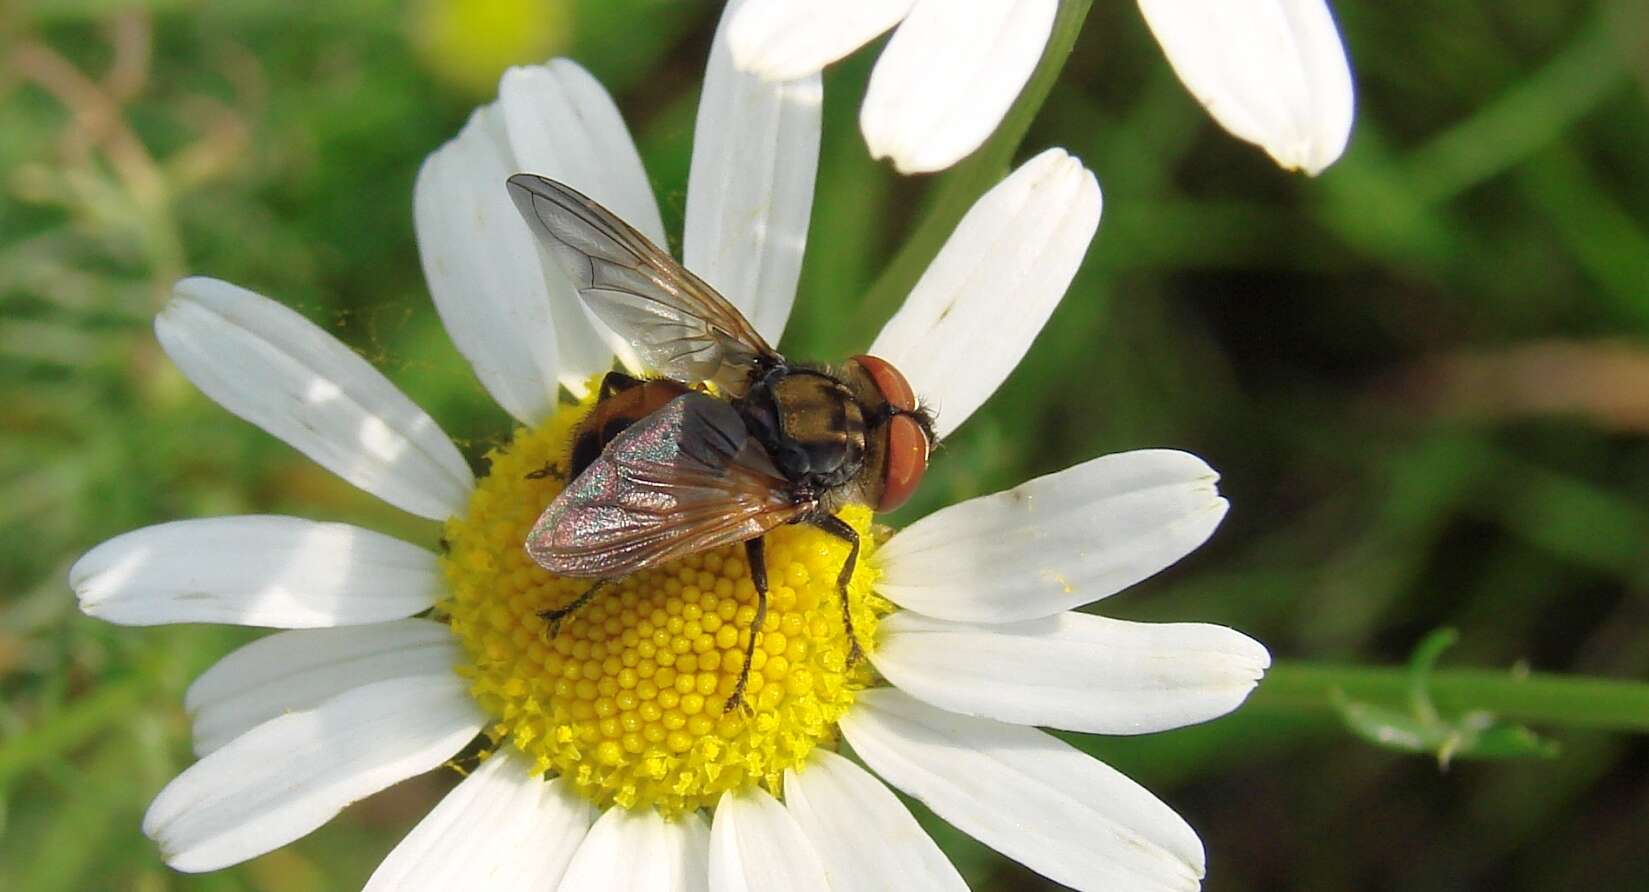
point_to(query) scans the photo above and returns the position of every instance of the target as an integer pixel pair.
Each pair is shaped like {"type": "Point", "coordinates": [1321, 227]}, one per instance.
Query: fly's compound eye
{"type": "Point", "coordinates": [907, 459]}
{"type": "Point", "coordinates": [890, 381]}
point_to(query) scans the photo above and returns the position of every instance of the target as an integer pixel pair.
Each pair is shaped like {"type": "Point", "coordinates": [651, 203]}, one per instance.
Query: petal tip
{"type": "Point", "coordinates": [514, 75]}
{"type": "Point", "coordinates": [745, 39]}
{"type": "Point", "coordinates": [750, 57]}
{"type": "Point", "coordinates": [1258, 657]}
{"type": "Point", "coordinates": [884, 141]}
{"type": "Point", "coordinates": [81, 572]}
{"type": "Point", "coordinates": [1217, 508]}
{"type": "Point", "coordinates": [1315, 166]}
{"type": "Point", "coordinates": [89, 579]}
{"type": "Point", "coordinates": [1308, 160]}
{"type": "Point", "coordinates": [905, 161]}
{"type": "Point", "coordinates": [155, 819]}
{"type": "Point", "coordinates": [906, 165]}
{"type": "Point", "coordinates": [191, 287]}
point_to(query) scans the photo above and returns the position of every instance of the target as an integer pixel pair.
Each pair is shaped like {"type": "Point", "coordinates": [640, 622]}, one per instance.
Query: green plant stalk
{"type": "Point", "coordinates": [1536, 698]}
{"type": "Point", "coordinates": [1534, 113]}
{"type": "Point", "coordinates": [962, 185]}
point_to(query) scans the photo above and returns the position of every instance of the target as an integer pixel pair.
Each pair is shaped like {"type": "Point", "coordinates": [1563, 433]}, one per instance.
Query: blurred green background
{"type": "Point", "coordinates": [1424, 375]}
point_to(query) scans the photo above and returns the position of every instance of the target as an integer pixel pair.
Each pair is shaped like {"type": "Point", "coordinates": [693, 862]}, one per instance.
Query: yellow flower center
{"type": "Point", "coordinates": [626, 701]}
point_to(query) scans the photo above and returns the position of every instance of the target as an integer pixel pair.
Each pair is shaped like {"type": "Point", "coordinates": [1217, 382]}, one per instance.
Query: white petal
{"type": "Point", "coordinates": [562, 124]}
{"type": "Point", "coordinates": [291, 774]}
{"type": "Point", "coordinates": [509, 308]}
{"type": "Point", "coordinates": [750, 190]}
{"type": "Point", "coordinates": [948, 76]}
{"type": "Point", "coordinates": [755, 845]}
{"type": "Point", "coordinates": [785, 39]}
{"type": "Point", "coordinates": [1055, 542]}
{"type": "Point", "coordinates": [866, 837]}
{"type": "Point", "coordinates": [1272, 72]}
{"type": "Point", "coordinates": [256, 570]}
{"type": "Point", "coordinates": [284, 374]}
{"type": "Point", "coordinates": [484, 272]}
{"type": "Point", "coordinates": [294, 671]}
{"type": "Point", "coordinates": [638, 851]}
{"type": "Point", "coordinates": [1072, 670]}
{"type": "Point", "coordinates": [976, 309]}
{"type": "Point", "coordinates": [503, 828]}
{"type": "Point", "coordinates": [1030, 796]}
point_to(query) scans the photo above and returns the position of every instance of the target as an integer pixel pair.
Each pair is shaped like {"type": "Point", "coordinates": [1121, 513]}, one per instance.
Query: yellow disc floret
{"type": "Point", "coordinates": [626, 700]}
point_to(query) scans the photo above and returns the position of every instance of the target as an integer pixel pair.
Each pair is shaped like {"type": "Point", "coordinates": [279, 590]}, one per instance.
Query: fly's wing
{"type": "Point", "coordinates": [681, 327]}
{"type": "Point", "coordinates": [684, 479]}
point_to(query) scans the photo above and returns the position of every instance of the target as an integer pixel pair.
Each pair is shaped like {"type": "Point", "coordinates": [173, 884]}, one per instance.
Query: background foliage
{"type": "Point", "coordinates": [1424, 376]}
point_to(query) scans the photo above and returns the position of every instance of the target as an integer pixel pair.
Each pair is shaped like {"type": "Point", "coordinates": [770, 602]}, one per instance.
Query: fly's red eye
{"type": "Point", "coordinates": [895, 389]}
{"type": "Point", "coordinates": [907, 458]}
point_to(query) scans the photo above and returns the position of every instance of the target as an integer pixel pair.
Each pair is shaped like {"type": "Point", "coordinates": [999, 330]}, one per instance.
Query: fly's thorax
{"type": "Point", "coordinates": [810, 423]}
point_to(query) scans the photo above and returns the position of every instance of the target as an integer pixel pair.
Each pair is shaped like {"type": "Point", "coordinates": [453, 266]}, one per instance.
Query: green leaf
{"type": "Point", "coordinates": [1475, 734]}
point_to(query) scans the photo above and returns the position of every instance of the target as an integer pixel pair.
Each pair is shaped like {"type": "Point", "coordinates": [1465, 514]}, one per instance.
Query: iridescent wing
{"type": "Point", "coordinates": [681, 327]}
{"type": "Point", "coordinates": [686, 478]}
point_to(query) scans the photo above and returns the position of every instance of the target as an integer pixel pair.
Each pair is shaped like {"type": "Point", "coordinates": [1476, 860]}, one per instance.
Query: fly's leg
{"type": "Point", "coordinates": [756, 556]}
{"type": "Point", "coordinates": [835, 526]}
{"type": "Point", "coordinates": [617, 382]}
{"type": "Point", "coordinates": [555, 615]}
{"type": "Point", "coordinates": [549, 470]}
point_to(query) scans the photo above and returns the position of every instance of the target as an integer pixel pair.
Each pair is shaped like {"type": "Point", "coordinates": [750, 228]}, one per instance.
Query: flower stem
{"type": "Point", "coordinates": [1570, 701]}
{"type": "Point", "coordinates": [961, 186]}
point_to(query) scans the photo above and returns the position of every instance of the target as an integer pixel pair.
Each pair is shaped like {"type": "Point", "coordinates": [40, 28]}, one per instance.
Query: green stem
{"type": "Point", "coordinates": [1532, 114]}
{"type": "Point", "coordinates": [962, 185]}
{"type": "Point", "coordinates": [1571, 701]}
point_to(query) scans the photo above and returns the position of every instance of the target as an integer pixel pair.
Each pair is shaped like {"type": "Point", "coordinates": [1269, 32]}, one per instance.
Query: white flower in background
{"type": "Point", "coordinates": [612, 765]}
{"type": "Point", "coordinates": [1272, 72]}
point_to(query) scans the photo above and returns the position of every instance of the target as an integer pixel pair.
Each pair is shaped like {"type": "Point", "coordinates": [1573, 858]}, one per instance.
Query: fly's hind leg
{"type": "Point", "coordinates": [617, 382]}
{"type": "Point", "coordinates": [756, 556]}
{"type": "Point", "coordinates": [837, 527]}
{"type": "Point", "coordinates": [555, 615]}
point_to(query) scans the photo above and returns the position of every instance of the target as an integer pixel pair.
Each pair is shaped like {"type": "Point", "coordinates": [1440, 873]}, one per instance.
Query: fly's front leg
{"type": "Point", "coordinates": [835, 526]}
{"type": "Point", "coordinates": [755, 555]}
{"type": "Point", "coordinates": [555, 615]}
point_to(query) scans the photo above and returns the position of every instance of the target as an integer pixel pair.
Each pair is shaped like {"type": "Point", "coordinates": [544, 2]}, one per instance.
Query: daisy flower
{"type": "Point", "coordinates": [609, 762]}
{"type": "Point", "coordinates": [1272, 72]}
